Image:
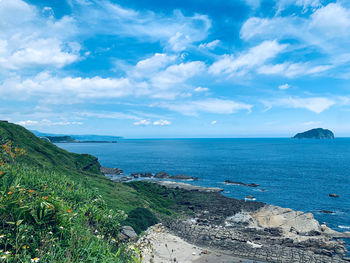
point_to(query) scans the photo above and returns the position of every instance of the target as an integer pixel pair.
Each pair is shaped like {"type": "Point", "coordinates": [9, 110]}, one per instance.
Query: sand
{"type": "Point", "coordinates": [160, 246]}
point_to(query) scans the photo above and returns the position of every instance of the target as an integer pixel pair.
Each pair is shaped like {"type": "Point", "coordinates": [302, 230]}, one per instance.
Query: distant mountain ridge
{"type": "Point", "coordinates": [76, 138]}
{"type": "Point", "coordinates": [318, 133]}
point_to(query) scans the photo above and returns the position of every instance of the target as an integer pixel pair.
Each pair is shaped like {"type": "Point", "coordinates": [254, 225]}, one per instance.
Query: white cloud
{"type": "Point", "coordinates": [30, 40]}
{"type": "Point", "coordinates": [305, 4]}
{"type": "Point", "coordinates": [142, 123]}
{"type": "Point", "coordinates": [201, 89]}
{"type": "Point", "coordinates": [176, 32]}
{"type": "Point", "coordinates": [161, 123]}
{"type": "Point", "coordinates": [210, 45]}
{"type": "Point", "coordinates": [325, 34]}
{"type": "Point", "coordinates": [217, 106]}
{"type": "Point", "coordinates": [213, 123]}
{"type": "Point", "coordinates": [291, 70]}
{"type": "Point", "coordinates": [64, 90]}
{"type": "Point", "coordinates": [46, 122]}
{"type": "Point", "coordinates": [255, 4]}
{"type": "Point", "coordinates": [311, 123]}
{"type": "Point", "coordinates": [284, 86]}
{"type": "Point", "coordinates": [315, 104]}
{"type": "Point", "coordinates": [256, 56]}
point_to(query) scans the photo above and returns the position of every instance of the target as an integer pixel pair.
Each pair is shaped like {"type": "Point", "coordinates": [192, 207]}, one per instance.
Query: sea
{"type": "Point", "coordinates": [298, 174]}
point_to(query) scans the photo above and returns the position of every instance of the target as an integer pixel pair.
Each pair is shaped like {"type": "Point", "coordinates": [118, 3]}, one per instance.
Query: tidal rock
{"type": "Point", "coordinates": [240, 183]}
{"type": "Point", "coordinates": [161, 175]}
{"type": "Point", "coordinates": [333, 195]}
{"type": "Point", "coordinates": [114, 171]}
{"type": "Point", "coordinates": [138, 175]}
{"type": "Point", "coordinates": [182, 177]}
{"type": "Point", "coordinates": [327, 212]}
{"type": "Point", "coordinates": [128, 233]}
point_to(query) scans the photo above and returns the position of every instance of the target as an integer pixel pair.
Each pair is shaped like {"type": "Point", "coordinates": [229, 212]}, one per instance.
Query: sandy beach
{"type": "Point", "coordinates": [161, 246]}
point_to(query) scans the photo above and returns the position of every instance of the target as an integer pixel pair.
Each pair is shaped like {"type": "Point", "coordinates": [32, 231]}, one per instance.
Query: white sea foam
{"type": "Point", "coordinates": [344, 227]}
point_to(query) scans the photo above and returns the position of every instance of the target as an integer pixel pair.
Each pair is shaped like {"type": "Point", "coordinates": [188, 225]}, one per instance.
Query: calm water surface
{"type": "Point", "coordinates": [295, 173]}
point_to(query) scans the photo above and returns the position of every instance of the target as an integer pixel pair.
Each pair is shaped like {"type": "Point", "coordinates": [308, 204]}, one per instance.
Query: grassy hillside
{"type": "Point", "coordinates": [56, 206]}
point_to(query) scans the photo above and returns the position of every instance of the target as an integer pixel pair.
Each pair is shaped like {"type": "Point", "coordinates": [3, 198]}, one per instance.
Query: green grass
{"type": "Point", "coordinates": [49, 216]}
{"type": "Point", "coordinates": [63, 208]}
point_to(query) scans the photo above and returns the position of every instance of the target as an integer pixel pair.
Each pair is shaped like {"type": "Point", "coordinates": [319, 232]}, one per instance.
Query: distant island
{"type": "Point", "coordinates": [67, 138]}
{"type": "Point", "coordinates": [317, 133]}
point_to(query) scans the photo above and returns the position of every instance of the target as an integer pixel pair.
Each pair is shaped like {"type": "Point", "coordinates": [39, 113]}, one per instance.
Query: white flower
{"type": "Point", "coordinates": [35, 260]}
{"type": "Point", "coordinates": [2, 236]}
{"type": "Point", "coordinates": [3, 257]}
{"type": "Point", "coordinates": [7, 252]}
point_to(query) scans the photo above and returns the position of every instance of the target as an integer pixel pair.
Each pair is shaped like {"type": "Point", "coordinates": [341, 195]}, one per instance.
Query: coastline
{"type": "Point", "coordinates": [250, 230]}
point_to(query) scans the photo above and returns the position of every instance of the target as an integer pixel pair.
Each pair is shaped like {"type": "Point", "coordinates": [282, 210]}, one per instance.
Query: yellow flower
{"type": "Point", "coordinates": [35, 260]}
{"type": "Point", "coordinates": [7, 252]}
{"type": "Point", "coordinates": [2, 236]}
{"type": "Point", "coordinates": [3, 257]}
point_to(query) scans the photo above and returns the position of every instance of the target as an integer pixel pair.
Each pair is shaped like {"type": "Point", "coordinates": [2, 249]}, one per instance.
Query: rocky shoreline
{"type": "Point", "coordinates": [254, 230]}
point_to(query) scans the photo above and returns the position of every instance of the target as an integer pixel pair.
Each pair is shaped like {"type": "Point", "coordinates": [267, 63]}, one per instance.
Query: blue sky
{"type": "Point", "coordinates": [194, 68]}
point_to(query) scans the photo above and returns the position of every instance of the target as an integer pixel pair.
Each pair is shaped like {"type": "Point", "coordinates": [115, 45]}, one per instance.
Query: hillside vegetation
{"type": "Point", "coordinates": [56, 206]}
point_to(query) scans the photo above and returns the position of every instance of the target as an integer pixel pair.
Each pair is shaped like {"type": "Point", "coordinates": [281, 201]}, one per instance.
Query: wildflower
{"type": "Point", "coordinates": [11, 188]}
{"type": "Point", "coordinates": [10, 193]}
{"type": "Point", "coordinates": [2, 236]}
{"type": "Point", "coordinates": [114, 240]}
{"type": "Point", "coordinates": [100, 236]}
{"type": "Point", "coordinates": [61, 227]}
{"type": "Point", "coordinates": [24, 247]}
{"type": "Point", "coordinates": [31, 191]}
{"type": "Point", "coordinates": [50, 233]}
{"type": "Point", "coordinates": [7, 252]}
{"type": "Point", "coordinates": [69, 210]}
{"type": "Point", "coordinates": [35, 260]}
{"type": "Point", "coordinates": [0, 250]}
{"type": "Point", "coordinates": [4, 257]}
{"type": "Point", "coordinates": [22, 237]}
{"type": "Point", "coordinates": [1, 172]}
{"type": "Point", "coordinates": [45, 197]}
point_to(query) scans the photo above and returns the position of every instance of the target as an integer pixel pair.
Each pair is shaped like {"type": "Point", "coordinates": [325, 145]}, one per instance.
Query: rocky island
{"type": "Point", "coordinates": [317, 133]}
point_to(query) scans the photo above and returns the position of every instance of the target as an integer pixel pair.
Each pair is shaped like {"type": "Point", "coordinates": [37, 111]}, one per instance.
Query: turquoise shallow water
{"type": "Point", "coordinates": [296, 173]}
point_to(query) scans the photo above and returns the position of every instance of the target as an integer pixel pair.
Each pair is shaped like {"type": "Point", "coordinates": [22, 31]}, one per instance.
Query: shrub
{"type": "Point", "coordinates": [140, 219]}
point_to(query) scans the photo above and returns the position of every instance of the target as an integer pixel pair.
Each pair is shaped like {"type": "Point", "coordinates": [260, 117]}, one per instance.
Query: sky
{"type": "Point", "coordinates": [172, 69]}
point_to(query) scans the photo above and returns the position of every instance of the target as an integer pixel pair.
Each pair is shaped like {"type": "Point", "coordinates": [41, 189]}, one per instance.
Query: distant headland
{"type": "Point", "coordinates": [317, 133]}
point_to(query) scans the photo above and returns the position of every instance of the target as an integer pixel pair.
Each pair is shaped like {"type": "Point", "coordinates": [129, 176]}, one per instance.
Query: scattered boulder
{"type": "Point", "coordinates": [138, 175]}
{"type": "Point", "coordinates": [232, 182]}
{"type": "Point", "coordinates": [183, 177]}
{"type": "Point", "coordinates": [253, 185]}
{"type": "Point", "coordinates": [114, 171]}
{"type": "Point", "coordinates": [333, 195]}
{"type": "Point", "coordinates": [128, 233]}
{"type": "Point", "coordinates": [161, 175]}
{"type": "Point", "coordinates": [240, 183]}
{"type": "Point", "coordinates": [327, 212]}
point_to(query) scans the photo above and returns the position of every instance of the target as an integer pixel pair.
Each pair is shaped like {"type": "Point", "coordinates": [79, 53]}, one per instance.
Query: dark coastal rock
{"type": "Point", "coordinates": [143, 175]}
{"type": "Point", "coordinates": [318, 133]}
{"type": "Point", "coordinates": [327, 212]}
{"type": "Point", "coordinates": [240, 183]}
{"type": "Point", "coordinates": [128, 233]}
{"type": "Point", "coordinates": [182, 177]}
{"type": "Point", "coordinates": [113, 171]}
{"type": "Point", "coordinates": [333, 195]}
{"type": "Point", "coordinates": [235, 183]}
{"type": "Point", "coordinates": [161, 175]}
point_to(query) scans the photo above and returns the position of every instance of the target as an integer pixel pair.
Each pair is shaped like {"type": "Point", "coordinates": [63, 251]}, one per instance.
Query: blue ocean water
{"type": "Point", "coordinates": [298, 174]}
